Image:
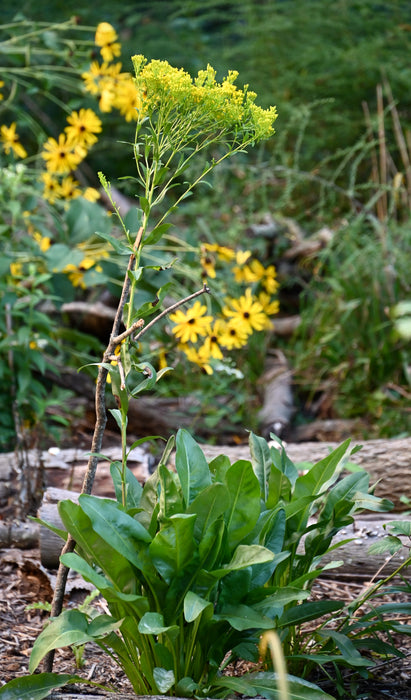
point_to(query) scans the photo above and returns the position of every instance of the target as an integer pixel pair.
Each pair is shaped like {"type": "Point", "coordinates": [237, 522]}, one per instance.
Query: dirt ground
{"type": "Point", "coordinates": [23, 582]}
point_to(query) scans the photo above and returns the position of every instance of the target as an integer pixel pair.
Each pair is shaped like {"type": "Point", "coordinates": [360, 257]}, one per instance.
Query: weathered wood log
{"type": "Point", "coordinates": [23, 535]}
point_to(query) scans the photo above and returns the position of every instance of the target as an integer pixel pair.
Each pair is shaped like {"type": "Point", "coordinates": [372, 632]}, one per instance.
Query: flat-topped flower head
{"type": "Point", "coordinates": [62, 156]}
{"type": "Point", "coordinates": [83, 127]}
{"type": "Point", "coordinates": [192, 324]}
{"type": "Point", "coordinates": [201, 106]}
{"type": "Point", "coordinates": [247, 312]}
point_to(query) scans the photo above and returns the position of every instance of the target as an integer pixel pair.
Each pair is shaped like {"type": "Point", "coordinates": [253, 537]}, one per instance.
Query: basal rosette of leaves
{"type": "Point", "coordinates": [195, 565]}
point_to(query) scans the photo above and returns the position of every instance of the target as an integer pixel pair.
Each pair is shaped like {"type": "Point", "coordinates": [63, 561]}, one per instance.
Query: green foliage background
{"type": "Point", "coordinates": [319, 61]}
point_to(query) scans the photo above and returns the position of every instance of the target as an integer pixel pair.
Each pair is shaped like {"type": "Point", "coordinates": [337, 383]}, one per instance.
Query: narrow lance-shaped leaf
{"type": "Point", "coordinates": [191, 466]}
{"type": "Point", "coordinates": [244, 501]}
{"type": "Point", "coordinates": [261, 461]}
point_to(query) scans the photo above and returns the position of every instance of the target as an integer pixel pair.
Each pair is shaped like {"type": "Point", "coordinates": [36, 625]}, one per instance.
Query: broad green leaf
{"type": "Point", "coordinates": [153, 623]}
{"type": "Point", "coordinates": [116, 568]}
{"type": "Point", "coordinates": [57, 530]}
{"type": "Point", "coordinates": [77, 563]}
{"type": "Point", "coordinates": [279, 487]}
{"type": "Point", "coordinates": [173, 546]}
{"type": "Point", "coordinates": [261, 461]}
{"type": "Point", "coordinates": [191, 466]}
{"type": "Point", "coordinates": [366, 501]}
{"type": "Point", "coordinates": [171, 499]}
{"type": "Point", "coordinates": [265, 683]}
{"type": "Point", "coordinates": [133, 486]}
{"type": "Point", "coordinates": [308, 611]}
{"type": "Point", "coordinates": [37, 686]}
{"type": "Point", "coordinates": [243, 509]}
{"type": "Point", "coordinates": [71, 627]}
{"type": "Point", "coordinates": [118, 529]}
{"type": "Point", "coordinates": [283, 463]}
{"type": "Point", "coordinates": [208, 505]}
{"type": "Point", "coordinates": [157, 233]}
{"type": "Point", "coordinates": [323, 473]}
{"type": "Point", "coordinates": [344, 490]}
{"type": "Point", "coordinates": [219, 467]}
{"type": "Point", "coordinates": [247, 555]}
{"type": "Point", "coordinates": [186, 688]}
{"type": "Point", "coordinates": [243, 557]}
{"type": "Point", "coordinates": [351, 655]}
{"type": "Point", "coordinates": [102, 625]}
{"type": "Point", "coordinates": [211, 544]}
{"type": "Point", "coordinates": [243, 617]}
{"type": "Point", "coordinates": [399, 527]}
{"type": "Point", "coordinates": [164, 679]}
{"type": "Point", "coordinates": [276, 597]}
{"type": "Point", "coordinates": [119, 246]}
{"type": "Point", "coordinates": [388, 544]}
{"type": "Point", "coordinates": [194, 605]}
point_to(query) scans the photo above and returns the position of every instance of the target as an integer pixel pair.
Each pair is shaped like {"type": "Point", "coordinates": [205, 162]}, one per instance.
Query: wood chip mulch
{"type": "Point", "coordinates": [23, 581]}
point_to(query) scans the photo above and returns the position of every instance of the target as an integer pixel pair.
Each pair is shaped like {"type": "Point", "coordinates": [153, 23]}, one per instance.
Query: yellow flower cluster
{"type": "Point", "coordinates": [115, 90]}
{"type": "Point", "coordinates": [201, 104]}
{"type": "Point", "coordinates": [63, 155]}
{"type": "Point", "coordinates": [202, 337]}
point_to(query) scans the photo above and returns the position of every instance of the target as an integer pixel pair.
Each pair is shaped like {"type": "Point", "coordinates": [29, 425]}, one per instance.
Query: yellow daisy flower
{"type": "Point", "coordinates": [211, 346]}
{"type": "Point", "coordinates": [51, 190]}
{"type": "Point", "coordinates": [197, 357]}
{"type": "Point", "coordinates": [106, 37]}
{"type": "Point", "coordinates": [62, 156]}
{"type": "Point", "coordinates": [11, 141]}
{"type": "Point", "coordinates": [234, 335]}
{"type": "Point", "coordinates": [247, 312]}
{"type": "Point", "coordinates": [69, 188]}
{"type": "Point", "coordinates": [83, 127]}
{"type": "Point", "coordinates": [193, 323]}
{"type": "Point", "coordinates": [270, 307]}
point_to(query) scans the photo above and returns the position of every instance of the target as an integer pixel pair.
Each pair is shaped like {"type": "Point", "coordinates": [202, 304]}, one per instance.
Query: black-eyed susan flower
{"type": "Point", "coordinates": [211, 347]}
{"type": "Point", "coordinates": [83, 127]}
{"type": "Point", "coordinates": [198, 357]}
{"type": "Point", "coordinates": [254, 271]}
{"type": "Point", "coordinates": [233, 335]}
{"type": "Point", "coordinates": [51, 190]}
{"type": "Point", "coordinates": [62, 156]}
{"type": "Point", "coordinates": [270, 306]}
{"type": "Point", "coordinates": [1, 85]}
{"type": "Point", "coordinates": [192, 324]}
{"type": "Point", "coordinates": [69, 188]}
{"type": "Point", "coordinates": [247, 312]}
{"type": "Point", "coordinates": [11, 141]}
{"type": "Point", "coordinates": [106, 37]}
